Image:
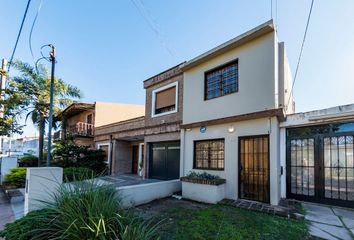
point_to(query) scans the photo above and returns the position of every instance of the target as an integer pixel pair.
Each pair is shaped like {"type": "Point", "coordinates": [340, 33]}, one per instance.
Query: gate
{"type": "Point", "coordinates": [320, 165]}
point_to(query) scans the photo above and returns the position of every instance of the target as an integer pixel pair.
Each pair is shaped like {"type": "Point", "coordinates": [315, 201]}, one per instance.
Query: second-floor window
{"type": "Point", "coordinates": [165, 100]}
{"type": "Point", "coordinates": [221, 81]}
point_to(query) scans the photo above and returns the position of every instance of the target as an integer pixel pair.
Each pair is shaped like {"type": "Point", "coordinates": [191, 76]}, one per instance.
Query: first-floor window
{"type": "Point", "coordinates": [209, 154]}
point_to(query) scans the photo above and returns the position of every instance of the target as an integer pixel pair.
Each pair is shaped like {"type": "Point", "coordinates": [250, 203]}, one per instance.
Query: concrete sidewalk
{"type": "Point", "coordinates": [6, 212]}
{"type": "Point", "coordinates": [328, 222]}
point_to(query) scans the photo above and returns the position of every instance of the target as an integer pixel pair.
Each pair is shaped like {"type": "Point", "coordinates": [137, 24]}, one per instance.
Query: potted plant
{"type": "Point", "coordinates": [203, 187]}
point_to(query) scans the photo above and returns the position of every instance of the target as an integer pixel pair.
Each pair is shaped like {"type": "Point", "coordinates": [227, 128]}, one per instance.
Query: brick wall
{"type": "Point", "coordinates": [122, 157]}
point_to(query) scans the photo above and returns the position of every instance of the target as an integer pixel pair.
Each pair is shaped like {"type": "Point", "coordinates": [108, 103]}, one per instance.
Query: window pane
{"type": "Point", "coordinates": [209, 154]}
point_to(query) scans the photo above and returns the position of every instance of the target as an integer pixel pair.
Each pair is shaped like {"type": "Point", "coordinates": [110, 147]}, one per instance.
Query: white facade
{"type": "Point", "coordinates": [264, 79]}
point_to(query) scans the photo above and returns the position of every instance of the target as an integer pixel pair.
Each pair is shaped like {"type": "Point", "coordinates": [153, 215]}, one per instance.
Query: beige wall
{"type": "Point", "coordinates": [285, 80]}
{"type": "Point", "coordinates": [257, 85]}
{"type": "Point", "coordinates": [81, 117]}
{"type": "Point", "coordinates": [230, 173]}
{"type": "Point", "coordinates": [107, 113]}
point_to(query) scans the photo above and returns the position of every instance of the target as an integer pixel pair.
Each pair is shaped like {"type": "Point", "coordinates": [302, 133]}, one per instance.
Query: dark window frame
{"type": "Point", "coordinates": [209, 159]}
{"type": "Point", "coordinates": [218, 68]}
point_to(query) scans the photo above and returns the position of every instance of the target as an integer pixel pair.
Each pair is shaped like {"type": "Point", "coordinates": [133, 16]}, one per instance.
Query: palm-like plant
{"type": "Point", "coordinates": [34, 85]}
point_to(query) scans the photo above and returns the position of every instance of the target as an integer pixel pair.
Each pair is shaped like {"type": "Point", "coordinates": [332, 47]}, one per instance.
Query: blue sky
{"type": "Point", "coordinates": [107, 48]}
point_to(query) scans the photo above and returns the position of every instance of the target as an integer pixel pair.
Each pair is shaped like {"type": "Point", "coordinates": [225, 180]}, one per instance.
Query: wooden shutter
{"type": "Point", "coordinates": [166, 98]}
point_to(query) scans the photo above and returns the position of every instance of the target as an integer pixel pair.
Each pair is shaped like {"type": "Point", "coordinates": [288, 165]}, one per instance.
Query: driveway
{"type": "Point", "coordinates": [329, 222]}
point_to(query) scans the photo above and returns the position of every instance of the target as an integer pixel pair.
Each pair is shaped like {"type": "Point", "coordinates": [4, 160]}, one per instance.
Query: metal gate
{"type": "Point", "coordinates": [254, 168]}
{"type": "Point", "coordinates": [320, 164]}
{"type": "Point", "coordinates": [164, 160]}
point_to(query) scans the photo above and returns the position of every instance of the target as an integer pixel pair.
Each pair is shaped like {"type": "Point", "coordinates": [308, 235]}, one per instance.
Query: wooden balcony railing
{"type": "Point", "coordinates": [80, 129]}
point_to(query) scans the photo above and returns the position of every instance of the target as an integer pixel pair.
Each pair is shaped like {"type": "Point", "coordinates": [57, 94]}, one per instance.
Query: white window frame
{"type": "Point", "coordinates": [154, 92]}
{"type": "Point", "coordinates": [98, 145]}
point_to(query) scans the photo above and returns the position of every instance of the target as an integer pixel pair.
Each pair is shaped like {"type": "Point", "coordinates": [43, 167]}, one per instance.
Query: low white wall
{"type": "Point", "coordinates": [7, 163]}
{"type": "Point", "coordinates": [41, 183]}
{"type": "Point", "coordinates": [143, 193]}
{"type": "Point", "coordinates": [203, 192]}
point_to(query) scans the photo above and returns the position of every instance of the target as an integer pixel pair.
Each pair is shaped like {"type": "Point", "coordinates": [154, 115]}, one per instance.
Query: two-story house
{"type": "Point", "coordinates": [79, 120]}
{"type": "Point", "coordinates": [235, 96]}
{"type": "Point", "coordinates": [149, 146]}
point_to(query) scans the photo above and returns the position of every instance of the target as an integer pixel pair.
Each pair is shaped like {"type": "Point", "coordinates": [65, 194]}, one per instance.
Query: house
{"type": "Point", "coordinates": [21, 146]}
{"type": "Point", "coordinates": [150, 145]}
{"type": "Point", "coordinates": [79, 120]}
{"type": "Point", "coordinates": [235, 97]}
{"type": "Point", "coordinates": [229, 112]}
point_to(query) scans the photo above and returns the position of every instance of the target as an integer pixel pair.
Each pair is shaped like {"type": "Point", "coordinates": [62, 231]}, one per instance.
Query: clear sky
{"type": "Point", "coordinates": [107, 48]}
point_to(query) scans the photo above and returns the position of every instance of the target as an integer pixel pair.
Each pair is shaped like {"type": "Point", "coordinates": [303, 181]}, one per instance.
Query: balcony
{"type": "Point", "coordinates": [80, 129]}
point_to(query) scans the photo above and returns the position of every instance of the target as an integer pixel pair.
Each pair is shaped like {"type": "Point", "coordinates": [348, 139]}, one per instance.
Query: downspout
{"type": "Point", "coordinates": [110, 154]}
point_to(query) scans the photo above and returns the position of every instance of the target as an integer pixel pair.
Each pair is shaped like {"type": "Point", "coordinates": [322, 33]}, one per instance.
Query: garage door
{"type": "Point", "coordinates": [164, 160]}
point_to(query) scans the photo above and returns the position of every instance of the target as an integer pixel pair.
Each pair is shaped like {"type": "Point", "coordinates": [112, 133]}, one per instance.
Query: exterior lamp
{"type": "Point", "coordinates": [231, 129]}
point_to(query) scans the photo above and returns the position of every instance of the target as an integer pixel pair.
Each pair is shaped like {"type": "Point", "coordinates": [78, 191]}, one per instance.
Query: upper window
{"type": "Point", "coordinates": [221, 81]}
{"type": "Point", "coordinates": [209, 154]}
{"type": "Point", "coordinates": [164, 100]}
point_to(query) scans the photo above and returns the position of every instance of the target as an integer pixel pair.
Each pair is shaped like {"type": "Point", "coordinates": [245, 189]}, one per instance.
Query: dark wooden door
{"type": "Point", "coordinates": [135, 159]}
{"type": "Point", "coordinates": [254, 168]}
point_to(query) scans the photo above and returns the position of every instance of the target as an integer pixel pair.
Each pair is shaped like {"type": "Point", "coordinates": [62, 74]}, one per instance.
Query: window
{"type": "Point", "coordinates": [164, 100]}
{"type": "Point", "coordinates": [105, 149]}
{"type": "Point", "coordinates": [221, 81]}
{"type": "Point", "coordinates": [209, 154]}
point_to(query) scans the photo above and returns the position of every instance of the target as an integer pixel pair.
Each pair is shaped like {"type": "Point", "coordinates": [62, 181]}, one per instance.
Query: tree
{"type": "Point", "coordinates": [33, 85]}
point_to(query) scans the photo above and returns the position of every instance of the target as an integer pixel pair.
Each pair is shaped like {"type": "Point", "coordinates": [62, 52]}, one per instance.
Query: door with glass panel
{"type": "Point", "coordinates": [254, 168]}
{"type": "Point", "coordinates": [320, 164]}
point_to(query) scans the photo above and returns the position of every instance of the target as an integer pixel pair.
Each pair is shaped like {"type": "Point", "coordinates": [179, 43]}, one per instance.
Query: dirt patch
{"type": "Point", "coordinates": [162, 206]}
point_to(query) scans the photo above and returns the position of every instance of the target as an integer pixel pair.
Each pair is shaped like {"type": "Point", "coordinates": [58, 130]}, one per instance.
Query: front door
{"type": "Point", "coordinates": [164, 160]}
{"type": "Point", "coordinates": [135, 159]}
{"type": "Point", "coordinates": [254, 168]}
{"type": "Point", "coordinates": [320, 167]}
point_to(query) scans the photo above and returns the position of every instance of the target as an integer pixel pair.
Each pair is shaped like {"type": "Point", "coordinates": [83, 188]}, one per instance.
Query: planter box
{"type": "Point", "coordinates": [203, 190]}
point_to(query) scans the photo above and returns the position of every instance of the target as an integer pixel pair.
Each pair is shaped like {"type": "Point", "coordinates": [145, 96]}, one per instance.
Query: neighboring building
{"type": "Point", "coordinates": [317, 149]}
{"type": "Point", "coordinates": [21, 146]}
{"type": "Point", "coordinates": [149, 145]}
{"type": "Point", "coordinates": [235, 96]}
{"type": "Point", "coordinates": [80, 120]}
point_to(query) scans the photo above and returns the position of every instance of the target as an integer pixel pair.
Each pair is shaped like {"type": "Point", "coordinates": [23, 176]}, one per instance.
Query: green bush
{"type": "Point", "coordinates": [67, 154]}
{"type": "Point", "coordinates": [203, 175]}
{"type": "Point", "coordinates": [16, 177]}
{"type": "Point", "coordinates": [28, 161]}
{"type": "Point", "coordinates": [82, 210]}
{"type": "Point", "coordinates": [77, 174]}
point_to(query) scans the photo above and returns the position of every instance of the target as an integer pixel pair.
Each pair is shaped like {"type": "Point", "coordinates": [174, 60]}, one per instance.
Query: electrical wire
{"type": "Point", "coordinates": [145, 13]}
{"type": "Point", "coordinates": [18, 36]}
{"type": "Point", "coordinates": [32, 27]}
{"type": "Point", "coordinates": [300, 54]}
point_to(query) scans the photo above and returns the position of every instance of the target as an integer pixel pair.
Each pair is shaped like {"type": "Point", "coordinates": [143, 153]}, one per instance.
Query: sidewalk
{"type": "Point", "coordinates": [6, 212]}
{"type": "Point", "coordinates": [329, 222]}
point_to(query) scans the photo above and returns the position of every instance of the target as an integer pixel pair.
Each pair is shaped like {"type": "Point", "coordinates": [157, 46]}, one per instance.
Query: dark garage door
{"type": "Point", "coordinates": [164, 160]}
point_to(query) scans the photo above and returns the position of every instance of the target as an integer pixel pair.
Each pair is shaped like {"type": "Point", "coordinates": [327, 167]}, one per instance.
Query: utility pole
{"type": "Point", "coordinates": [2, 95]}
{"type": "Point", "coordinates": [52, 59]}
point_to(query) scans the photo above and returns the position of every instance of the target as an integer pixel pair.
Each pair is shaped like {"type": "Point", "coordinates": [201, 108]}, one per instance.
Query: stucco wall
{"type": "Point", "coordinates": [257, 85]}
{"type": "Point", "coordinates": [230, 173]}
{"type": "Point", "coordinates": [81, 117]}
{"type": "Point", "coordinates": [107, 113]}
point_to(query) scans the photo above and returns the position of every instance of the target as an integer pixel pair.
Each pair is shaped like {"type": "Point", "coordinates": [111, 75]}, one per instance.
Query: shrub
{"type": "Point", "coordinates": [77, 174]}
{"type": "Point", "coordinates": [67, 154]}
{"type": "Point", "coordinates": [82, 210]}
{"type": "Point", "coordinates": [16, 177]}
{"type": "Point", "coordinates": [28, 161]}
{"type": "Point", "coordinates": [203, 175]}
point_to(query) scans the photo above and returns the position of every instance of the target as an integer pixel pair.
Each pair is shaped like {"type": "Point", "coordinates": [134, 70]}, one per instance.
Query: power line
{"type": "Point", "coordinates": [300, 54]}
{"type": "Point", "coordinates": [18, 35]}
{"type": "Point", "coordinates": [32, 27]}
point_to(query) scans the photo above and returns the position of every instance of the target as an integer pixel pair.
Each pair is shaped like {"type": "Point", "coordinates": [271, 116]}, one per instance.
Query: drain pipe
{"type": "Point", "coordinates": [110, 154]}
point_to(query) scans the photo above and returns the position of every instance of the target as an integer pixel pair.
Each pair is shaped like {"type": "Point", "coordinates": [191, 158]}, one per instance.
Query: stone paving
{"type": "Point", "coordinates": [6, 212]}
{"type": "Point", "coordinates": [328, 222]}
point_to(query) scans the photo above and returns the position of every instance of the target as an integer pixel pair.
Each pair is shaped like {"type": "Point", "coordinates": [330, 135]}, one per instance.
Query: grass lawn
{"type": "Point", "coordinates": [224, 222]}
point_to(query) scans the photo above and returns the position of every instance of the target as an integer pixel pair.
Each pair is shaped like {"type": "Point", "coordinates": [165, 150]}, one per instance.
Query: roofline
{"type": "Point", "coordinates": [256, 32]}
{"type": "Point", "coordinates": [178, 65]}
{"type": "Point", "coordinates": [71, 105]}
{"type": "Point", "coordinates": [122, 122]}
